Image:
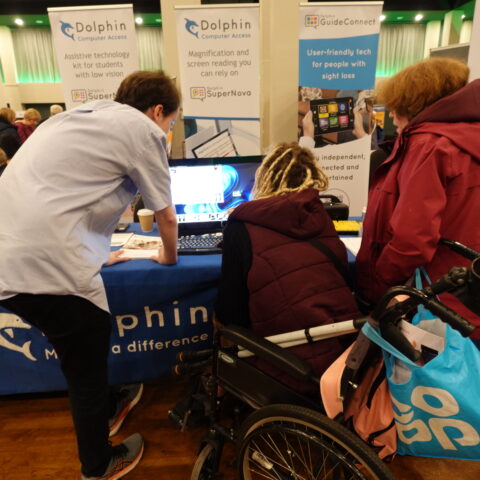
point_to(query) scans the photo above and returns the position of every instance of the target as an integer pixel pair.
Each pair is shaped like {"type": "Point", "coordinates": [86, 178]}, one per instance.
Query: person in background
{"type": "Point", "coordinates": [429, 186]}
{"type": "Point", "coordinates": [27, 125]}
{"type": "Point", "coordinates": [54, 110]}
{"type": "Point", "coordinates": [3, 161]}
{"type": "Point", "coordinates": [10, 141]}
{"type": "Point", "coordinates": [61, 199]}
{"type": "Point", "coordinates": [273, 279]}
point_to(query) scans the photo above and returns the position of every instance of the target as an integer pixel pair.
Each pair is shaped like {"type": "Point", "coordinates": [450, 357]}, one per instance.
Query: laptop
{"type": "Point", "coordinates": [203, 191]}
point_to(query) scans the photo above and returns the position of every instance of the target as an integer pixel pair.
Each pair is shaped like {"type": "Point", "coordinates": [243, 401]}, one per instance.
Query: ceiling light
{"type": "Point", "coordinates": [418, 17]}
{"type": "Point", "coordinates": [39, 21]}
{"type": "Point", "coordinates": [463, 16]}
{"type": "Point", "coordinates": [382, 17]}
{"type": "Point", "coordinates": [138, 20]}
{"type": "Point", "coordinates": [19, 22]}
{"type": "Point", "coordinates": [399, 18]}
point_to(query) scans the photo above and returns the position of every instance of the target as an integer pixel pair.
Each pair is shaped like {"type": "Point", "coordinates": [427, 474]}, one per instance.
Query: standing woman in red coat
{"type": "Point", "coordinates": [429, 187]}
{"type": "Point", "coordinates": [273, 280]}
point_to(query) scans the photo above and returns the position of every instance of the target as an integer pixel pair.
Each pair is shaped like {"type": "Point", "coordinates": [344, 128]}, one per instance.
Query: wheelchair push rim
{"type": "Point", "coordinates": [286, 442]}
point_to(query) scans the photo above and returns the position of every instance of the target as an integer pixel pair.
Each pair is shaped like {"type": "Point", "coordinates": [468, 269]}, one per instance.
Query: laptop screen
{"type": "Point", "coordinates": [205, 190]}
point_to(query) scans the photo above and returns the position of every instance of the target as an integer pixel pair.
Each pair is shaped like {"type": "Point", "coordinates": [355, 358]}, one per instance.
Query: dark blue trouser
{"type": "Point", "coordinates": [80, 333]}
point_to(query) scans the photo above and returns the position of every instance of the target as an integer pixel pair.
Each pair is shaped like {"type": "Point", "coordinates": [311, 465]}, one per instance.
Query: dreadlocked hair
{"type": "Point", "coordinates": [288, 168]}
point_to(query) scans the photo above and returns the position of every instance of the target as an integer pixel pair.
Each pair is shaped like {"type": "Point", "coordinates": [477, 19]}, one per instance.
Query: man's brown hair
{"type": "Point", "coordinates": [416, 87]}
{"type": "Point", "coordinates": [143, 90]}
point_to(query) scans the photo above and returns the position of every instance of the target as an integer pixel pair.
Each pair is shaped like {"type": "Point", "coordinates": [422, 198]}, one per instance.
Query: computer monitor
{"type": "Point", "coordinates": [204, 190]}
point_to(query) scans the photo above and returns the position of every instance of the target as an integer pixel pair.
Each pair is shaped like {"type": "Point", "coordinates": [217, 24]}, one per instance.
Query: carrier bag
{"type": "Point", "coordinates": [435, 404]}
{"type": "Point", "coordinates": [366, 409]}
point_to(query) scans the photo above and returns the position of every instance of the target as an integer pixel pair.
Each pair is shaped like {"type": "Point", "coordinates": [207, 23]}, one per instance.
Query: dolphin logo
{"type": "Point", "coordinates": [65, 29]}
{"type": "Point", "coordinates": [8, 322]}
{"type": "Point", "coordinates": [189, 24]}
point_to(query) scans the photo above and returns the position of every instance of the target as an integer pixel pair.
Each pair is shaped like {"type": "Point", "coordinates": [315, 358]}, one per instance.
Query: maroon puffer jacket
{"type": "Point", "coordinates": [293, 285]}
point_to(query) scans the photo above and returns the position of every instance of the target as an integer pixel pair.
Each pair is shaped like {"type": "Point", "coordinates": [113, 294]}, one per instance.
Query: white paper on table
{"type": "Point", "coordinates": [119, 239]}
{"type": "Point", "coordinates": [141, 246]}
{"type": "Point", "coordinates": [352, 243]}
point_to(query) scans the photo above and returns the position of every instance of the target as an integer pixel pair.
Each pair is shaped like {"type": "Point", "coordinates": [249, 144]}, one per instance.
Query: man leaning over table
{"type": "Point", "coordinates": [62, 197]}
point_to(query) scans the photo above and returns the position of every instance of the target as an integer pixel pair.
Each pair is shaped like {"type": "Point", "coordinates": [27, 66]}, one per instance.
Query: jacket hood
{"type": "Point", "coordinates": [299, 215]}
{"type": "Point", "coordinates": [459, 111]}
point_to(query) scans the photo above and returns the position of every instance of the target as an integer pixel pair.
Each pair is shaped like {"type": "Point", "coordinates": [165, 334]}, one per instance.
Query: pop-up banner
{"type": "Point", "coordinates": [96, 48]}
{"type": "Point", "coordinates": [218, 52]}
{"type": "Point", "coordinates": [474, 49]}
{"type": "Point", "coordinates": [337, 60]}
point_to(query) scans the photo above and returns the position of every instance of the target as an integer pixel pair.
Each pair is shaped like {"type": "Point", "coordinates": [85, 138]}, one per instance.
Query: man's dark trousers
{"type": "Point", "coordinates": [80, 333]}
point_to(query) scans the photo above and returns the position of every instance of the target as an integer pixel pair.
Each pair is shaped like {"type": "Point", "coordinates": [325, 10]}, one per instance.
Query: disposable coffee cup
{"type": "Point", "coordinates": [145, 217]}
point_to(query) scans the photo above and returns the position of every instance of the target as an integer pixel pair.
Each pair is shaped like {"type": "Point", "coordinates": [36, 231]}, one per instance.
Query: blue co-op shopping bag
{"type": "Point", "coordinates": [436, 406]}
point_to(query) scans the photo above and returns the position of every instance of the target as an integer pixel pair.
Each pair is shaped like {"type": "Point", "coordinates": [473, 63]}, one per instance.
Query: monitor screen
{"type": "Point", "coordinates": [204, 192]}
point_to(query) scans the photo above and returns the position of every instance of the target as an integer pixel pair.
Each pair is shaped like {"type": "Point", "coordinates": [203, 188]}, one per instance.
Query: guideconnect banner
{"type": "Point", "coordinates": [338, 45]}
{"type": "Point", "coordinates": [96, 48]}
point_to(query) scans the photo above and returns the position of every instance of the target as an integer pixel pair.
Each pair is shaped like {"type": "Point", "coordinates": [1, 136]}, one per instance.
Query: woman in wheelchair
{"type": "Point", "coordinates": [274, 279]}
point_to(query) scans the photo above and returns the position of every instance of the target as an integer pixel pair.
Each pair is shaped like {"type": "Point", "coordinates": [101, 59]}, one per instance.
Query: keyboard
{"type": "Point", "coordinates": [199, 244]}
{"type": "Point", "coordinates": [347, 227]}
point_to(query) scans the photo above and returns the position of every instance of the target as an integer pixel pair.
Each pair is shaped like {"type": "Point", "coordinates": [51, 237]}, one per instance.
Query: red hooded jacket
{"type": "Point", "coordinates": [291, 284]}
{"type": "Point", "coordinates": [427, 189]}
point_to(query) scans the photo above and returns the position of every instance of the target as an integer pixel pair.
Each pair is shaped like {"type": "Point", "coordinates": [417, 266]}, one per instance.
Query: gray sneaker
{"type": "Point", "coordinates": [126, 396]}
{"type": "Point", "coordinates": [125, 458]}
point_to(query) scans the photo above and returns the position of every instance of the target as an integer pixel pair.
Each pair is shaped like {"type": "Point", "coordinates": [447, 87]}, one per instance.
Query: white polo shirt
{"type": "Point", "coordinates": [63, 194]}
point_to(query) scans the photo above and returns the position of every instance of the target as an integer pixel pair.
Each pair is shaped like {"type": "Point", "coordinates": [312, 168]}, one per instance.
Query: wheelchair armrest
{"type": "Point", "coordinates": [262, 348]}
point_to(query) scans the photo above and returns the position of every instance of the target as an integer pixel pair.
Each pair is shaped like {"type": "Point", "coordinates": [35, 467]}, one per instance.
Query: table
{"type": "Point", "coordinates": [157, 311]}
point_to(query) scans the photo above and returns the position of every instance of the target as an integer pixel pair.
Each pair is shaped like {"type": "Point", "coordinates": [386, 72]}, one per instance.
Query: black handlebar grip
{"type": "Point", "coordinates": [392, 334]}
{"type": "Point", "coordinates": [449, 316]}
{"type": "Point", "coordinates": [188, 356]}
{"type": "Point", "coordinates": [190, 368]}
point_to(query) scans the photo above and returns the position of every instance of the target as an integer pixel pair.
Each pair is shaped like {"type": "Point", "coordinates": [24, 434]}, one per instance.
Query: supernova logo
{"type": "Point", "coordinates": [198, 93]}
{"type": "Point", "coordinates": [79, 95]}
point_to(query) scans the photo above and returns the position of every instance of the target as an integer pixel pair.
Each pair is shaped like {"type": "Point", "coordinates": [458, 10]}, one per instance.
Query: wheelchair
{"type": "Point", "coordinates": [280, 434]}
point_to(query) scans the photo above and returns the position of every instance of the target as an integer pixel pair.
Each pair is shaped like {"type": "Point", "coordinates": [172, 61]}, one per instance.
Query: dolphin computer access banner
{"type": "Point", "coordinates": [96, 49]}
{"type": "Point", "coordinates": [218, 53]}
{"type": "Point", "coordinates": [338, 45]}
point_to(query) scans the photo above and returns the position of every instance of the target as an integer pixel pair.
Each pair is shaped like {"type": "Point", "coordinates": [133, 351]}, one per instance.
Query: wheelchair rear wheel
{"type": "Point", "coordinates": [289, 442]}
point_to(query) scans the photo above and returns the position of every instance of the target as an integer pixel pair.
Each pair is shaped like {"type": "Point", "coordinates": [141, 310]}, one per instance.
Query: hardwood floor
{"type": "Point", "coordinates": [37, 441]}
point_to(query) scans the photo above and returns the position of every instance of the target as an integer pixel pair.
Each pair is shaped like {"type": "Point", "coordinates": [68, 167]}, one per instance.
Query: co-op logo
{"type": "Point", "coordinates": [106, 26]}
{"type": "Point", "coordinates": [215, 26]}
{"type": "Point", "coordinates": [442, 406]}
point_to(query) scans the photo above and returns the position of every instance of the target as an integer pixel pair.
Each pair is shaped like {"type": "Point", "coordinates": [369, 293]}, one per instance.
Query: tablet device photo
{"type": "Point", "coordinates": [220, 145]}
{"type": "Point", "coordinates": [332, 115]}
